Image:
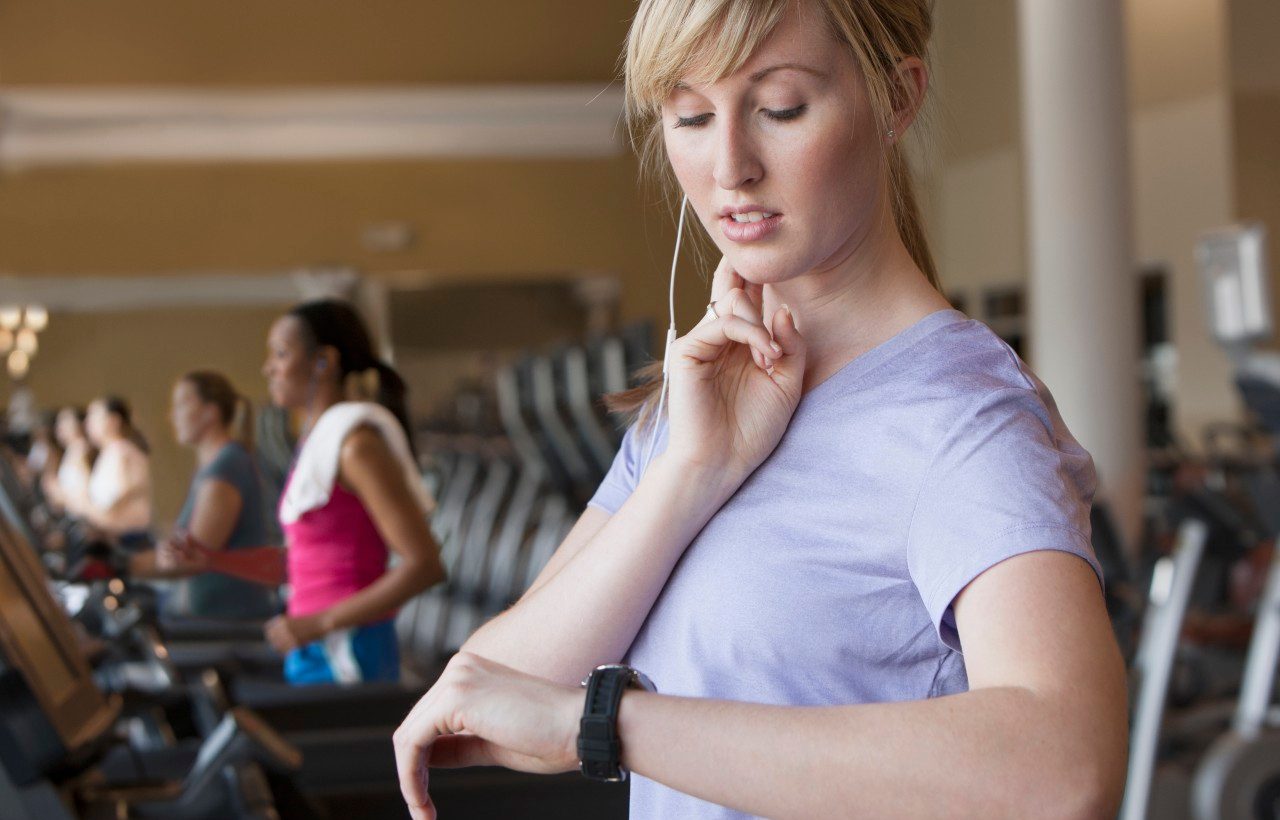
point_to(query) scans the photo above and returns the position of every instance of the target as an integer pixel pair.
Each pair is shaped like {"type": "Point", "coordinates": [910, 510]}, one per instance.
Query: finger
{"type": "Point", "coordinates": [414, 741]}
{"type": "Point", "coordinates": [706, 342]}
{"type": "Point", "coordinates": [412, 770]}
{"type": "Point", "coordinates": [738, 302]}
{"type": "Point", "coordinates": [790, 366]}
{"type": "Point", "coordinates": [755, 292]}
{"type": "Point", "coordinates": [724, 280]}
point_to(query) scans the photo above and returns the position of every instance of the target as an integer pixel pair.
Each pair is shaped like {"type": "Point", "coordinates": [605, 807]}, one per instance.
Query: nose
{"type": "Point", "coordinates": [737, 161]}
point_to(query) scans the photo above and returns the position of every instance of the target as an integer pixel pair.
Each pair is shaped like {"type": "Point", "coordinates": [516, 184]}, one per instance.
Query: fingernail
{"type": "Point", "coordinates": [776, 348]}
{"type": "Point", "coordinates": [794, 322]}
{"type": "Point", "coordinates": [768, 363]}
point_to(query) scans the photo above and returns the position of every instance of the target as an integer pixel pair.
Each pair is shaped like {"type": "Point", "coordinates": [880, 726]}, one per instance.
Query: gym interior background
{"type": "Point", "coordinates": [174, 175]}
{"type": "Point", "coordinates": [148, 249]}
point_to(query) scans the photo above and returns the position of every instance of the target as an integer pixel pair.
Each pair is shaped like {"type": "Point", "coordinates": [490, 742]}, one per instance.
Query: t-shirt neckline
{"type": "Point", "coordinates": [866, 362]}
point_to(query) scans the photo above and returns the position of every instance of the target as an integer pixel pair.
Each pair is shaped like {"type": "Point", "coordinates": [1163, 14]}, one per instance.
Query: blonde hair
{"type": "Point", "coordinates": [707, 40]}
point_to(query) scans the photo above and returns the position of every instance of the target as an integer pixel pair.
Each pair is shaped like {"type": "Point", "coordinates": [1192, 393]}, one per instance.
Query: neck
{"type": "Point", "coordinates": [326, 396]}
{"type": "Point", "coordinates": [210, 445]}
{"type": "Point", "coordinates": [856, 300]}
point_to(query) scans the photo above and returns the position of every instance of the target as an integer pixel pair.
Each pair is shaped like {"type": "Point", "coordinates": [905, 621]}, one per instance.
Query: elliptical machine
{"type": "Point", "coordinates": [1239, 776]}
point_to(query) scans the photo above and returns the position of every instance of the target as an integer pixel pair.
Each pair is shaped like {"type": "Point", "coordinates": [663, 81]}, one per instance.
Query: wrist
{"type": "Point", "coordinates": [711, 481]}
{"type": "Point", "coordinates": [326, 622]}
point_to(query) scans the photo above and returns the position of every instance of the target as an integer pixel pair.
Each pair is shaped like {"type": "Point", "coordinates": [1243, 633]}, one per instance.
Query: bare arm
{"type": "Point", "coordinates": [587, 605]}
{"type": "Point", "coordinates": [1041, 733]}
{"type": "Point", "coordinates": [371, 470]}
{"type": "Point", "coordinates": [213, 518]}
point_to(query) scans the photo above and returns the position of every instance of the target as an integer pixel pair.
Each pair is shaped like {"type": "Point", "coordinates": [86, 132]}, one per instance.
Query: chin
{"type": "Point", "coordinates": [764, 267]}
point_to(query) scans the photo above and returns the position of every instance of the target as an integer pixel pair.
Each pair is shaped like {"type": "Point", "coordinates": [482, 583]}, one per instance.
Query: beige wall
{"type": "Point", "coordinates": [138, 355]}
{"type": "Point", "coordinates": [1255, 83]}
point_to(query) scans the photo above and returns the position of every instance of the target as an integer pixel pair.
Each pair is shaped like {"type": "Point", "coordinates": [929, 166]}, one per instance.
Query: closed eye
{"type": "Point", "coordinates": [787, 114]}
{"type": "Point", "coordinates": [692, 122]}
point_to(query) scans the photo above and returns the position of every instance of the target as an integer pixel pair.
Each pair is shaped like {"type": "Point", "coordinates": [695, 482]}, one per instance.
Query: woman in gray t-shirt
{"type": "Point", "coordinates": [224, 508]}
{"type": "Point", "coordinates": [853, 555]}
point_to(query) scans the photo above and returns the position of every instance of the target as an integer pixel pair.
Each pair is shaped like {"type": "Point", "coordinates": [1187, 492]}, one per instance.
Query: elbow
{"type": "Point", "coordinates": [424, 574]}
{"type": "Point", "coordinates": [1081, 789]}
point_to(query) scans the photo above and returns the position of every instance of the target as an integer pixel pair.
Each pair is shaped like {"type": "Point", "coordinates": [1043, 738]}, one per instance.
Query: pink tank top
{"type": "Point", "coordinates": [334, 552]}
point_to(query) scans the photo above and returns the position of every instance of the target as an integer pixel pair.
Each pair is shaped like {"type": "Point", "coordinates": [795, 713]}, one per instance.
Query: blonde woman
{"type": "Point", "coordinates": [856, 561]}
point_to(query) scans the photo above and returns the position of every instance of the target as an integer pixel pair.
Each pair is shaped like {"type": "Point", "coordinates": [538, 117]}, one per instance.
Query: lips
{"type": "Point", "coordinates": [749, 226]}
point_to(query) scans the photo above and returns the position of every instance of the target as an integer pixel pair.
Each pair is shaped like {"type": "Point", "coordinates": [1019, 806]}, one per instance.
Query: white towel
{"type": "Point", "coordinates": [317, 467]}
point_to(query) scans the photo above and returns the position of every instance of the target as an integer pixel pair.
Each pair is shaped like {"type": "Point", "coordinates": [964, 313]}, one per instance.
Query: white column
{"type": "Point", "coordinates": [1084, 322]}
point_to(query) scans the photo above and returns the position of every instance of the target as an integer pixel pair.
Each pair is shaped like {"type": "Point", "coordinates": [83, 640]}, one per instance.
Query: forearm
{"type": "Point", "coordinates": [1004, 752]}
{"type": "Point", "coordinates": [392, 590]}
{"type": "Point", "coordinates": [589, 612]}
{"type": "Point", "coordinates": [261, 565]}
{"type": "Point", "coordinates": [143, 565]}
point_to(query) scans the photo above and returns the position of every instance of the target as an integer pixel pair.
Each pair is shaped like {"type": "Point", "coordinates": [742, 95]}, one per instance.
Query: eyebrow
{"type": "Point", "coordinates": [764, 72]}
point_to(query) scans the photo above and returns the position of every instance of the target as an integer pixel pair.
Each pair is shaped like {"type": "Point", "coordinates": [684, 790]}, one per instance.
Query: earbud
{"type": "Point", "coordinates": [322, 365]}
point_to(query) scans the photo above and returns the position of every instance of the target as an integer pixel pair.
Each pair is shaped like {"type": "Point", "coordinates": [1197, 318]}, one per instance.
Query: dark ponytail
{"type": "Point", "coordinates": [117, 406]}
{"type": "Point", "coordinates": [331, 323]}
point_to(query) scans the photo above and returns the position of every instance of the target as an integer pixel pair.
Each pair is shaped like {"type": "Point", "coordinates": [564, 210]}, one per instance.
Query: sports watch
{"type": "Point", "coordinates": [599, 748]}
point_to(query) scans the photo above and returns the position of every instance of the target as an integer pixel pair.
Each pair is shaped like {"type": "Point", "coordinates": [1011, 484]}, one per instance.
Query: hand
{"type": "Point", "coordinates": [732, 392]}
{"type": "Point", "coordinates": [182, 553]}
{"type": "Point", "coordinates": [480, 713]}
{"type": "Point", "coordinates": [286, 633]}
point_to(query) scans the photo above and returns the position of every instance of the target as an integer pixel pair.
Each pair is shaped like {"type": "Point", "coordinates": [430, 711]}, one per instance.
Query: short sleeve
{"type": "Point", "coordinates": [231, 465]}
{"type": "Point", "coordinates": [624, 474]}
{"type": "Point", "coordinates": [1006, 479]}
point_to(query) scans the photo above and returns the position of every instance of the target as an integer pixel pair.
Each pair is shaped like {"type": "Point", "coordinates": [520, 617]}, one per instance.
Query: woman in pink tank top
{"type": "Point", "coordinates": [352, 499]}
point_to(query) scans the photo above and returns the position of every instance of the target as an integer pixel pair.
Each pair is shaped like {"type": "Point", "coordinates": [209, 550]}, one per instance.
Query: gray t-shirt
{"type": "Point", "coordinates": [828, 577]}
{"type": "Point", "coordinates": [211, 594]}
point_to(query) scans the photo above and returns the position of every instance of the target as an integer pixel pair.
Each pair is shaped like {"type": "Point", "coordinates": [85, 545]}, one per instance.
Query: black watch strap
{"type": "Point", "coordinates": [599, 748]}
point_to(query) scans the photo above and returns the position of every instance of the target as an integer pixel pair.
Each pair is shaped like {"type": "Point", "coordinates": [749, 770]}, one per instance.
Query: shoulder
{"type": "Point", "coordinates": [364, 444]}
{"type": "Point", "coordinates": [232, 462]}
{"type": "Point", "coordinates": [968, 358]}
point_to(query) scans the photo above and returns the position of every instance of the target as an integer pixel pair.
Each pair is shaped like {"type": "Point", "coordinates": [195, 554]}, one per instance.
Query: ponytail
{"type": "Point", "coordinates": [363, 376]}
{"type": "Point", "coordinates": [234, 410]}
{"type": "Point", "coordinates": [241, 425]}
{"type": "Point", "coordinates": [117, 406]}
{"type": "Point", "coordinates": [906, 215]}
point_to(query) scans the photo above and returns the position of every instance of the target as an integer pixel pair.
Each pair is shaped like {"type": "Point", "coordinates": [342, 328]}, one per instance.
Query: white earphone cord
{"type": "Point", "coordinates": [671, 333]}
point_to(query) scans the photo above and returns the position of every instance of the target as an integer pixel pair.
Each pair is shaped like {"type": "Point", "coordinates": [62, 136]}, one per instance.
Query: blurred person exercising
{"type": "Point", "coordinates": [69, 489]}
{"type": "Point", "coordinates": [224, 508]}
{"type": "Point", "coordinates": [118, 497]}
{"type": "Point", "coordinates": [353, 492]}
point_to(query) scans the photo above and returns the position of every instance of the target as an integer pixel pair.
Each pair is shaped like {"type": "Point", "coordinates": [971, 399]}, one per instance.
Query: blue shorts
{"type": "Point", "coordinates": [362, 653]}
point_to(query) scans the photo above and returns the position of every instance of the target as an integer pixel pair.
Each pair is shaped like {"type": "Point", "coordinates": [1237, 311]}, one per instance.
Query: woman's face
{"type": "Point", "coordinates": [782, 160]}
{"type": "Point", "coordinates": [67, 429]}
{"type": "Point", "coordinates": [191, 417]}
{"type": "Point", "coordinates": [289, 369]}
{"type": "Point", "coordinates": [100, 425]}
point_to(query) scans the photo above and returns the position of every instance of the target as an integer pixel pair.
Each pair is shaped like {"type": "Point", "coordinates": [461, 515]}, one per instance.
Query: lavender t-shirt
{"type": "Point", "coordinates": [828, 577]}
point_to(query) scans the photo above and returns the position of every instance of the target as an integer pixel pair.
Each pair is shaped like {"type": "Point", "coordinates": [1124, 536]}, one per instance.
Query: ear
{"type": "Point", "coordinates": [910, 86]}
{"type": "Point", "coordinates": [326, 360]}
